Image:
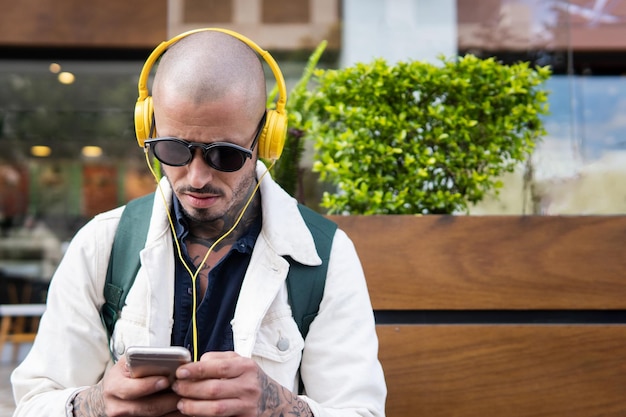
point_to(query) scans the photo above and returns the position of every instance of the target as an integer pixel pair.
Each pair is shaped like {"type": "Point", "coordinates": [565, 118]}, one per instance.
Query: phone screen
{"type": "Point", "coordinates": [150, 361]}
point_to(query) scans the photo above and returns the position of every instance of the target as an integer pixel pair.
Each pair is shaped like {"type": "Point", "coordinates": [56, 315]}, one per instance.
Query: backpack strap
{"type": "Point", "coordinates": [130, 239]}
{"type": "Point", "coordinates": [305, 284]}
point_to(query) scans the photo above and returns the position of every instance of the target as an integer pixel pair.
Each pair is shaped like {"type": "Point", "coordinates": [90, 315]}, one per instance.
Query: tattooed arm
{"type": "Point", "coordinates": [276, 400]}
{"type": "Point", "coordinates": [89, 402]}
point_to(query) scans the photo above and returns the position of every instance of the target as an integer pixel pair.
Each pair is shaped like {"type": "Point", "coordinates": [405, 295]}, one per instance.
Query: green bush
{"type": "Point", "coordinates": [418, 138]}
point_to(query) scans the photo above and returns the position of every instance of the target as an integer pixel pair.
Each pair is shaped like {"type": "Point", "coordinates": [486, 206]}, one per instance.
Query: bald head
{"type": "Point", "coordinates": [207, 66]}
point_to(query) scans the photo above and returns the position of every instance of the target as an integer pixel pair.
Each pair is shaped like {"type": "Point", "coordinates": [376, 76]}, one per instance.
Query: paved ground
{"type": "Point", "coordinates": [6, 396]}
{"type": "Point", "coordinates": [7, 406]}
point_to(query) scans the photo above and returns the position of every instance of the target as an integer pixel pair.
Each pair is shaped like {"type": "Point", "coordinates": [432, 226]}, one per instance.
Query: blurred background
{"type": "Point", "coordinates": [68, 75]}
{"type": "Point", "coordinates": [68, 86]}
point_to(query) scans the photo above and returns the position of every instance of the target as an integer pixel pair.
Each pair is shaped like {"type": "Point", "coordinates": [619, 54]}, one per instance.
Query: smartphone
{"type": "Point", "coordinates": [149, 361]}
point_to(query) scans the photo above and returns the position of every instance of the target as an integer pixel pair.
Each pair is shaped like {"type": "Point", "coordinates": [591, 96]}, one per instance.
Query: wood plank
{"type": "Point", "coordinates": [502, 370]}
{"type": "Point", "coordinates": [491, 262]}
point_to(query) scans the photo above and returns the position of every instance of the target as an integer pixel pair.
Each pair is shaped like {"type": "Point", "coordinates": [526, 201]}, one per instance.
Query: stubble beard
{"type": "Point", "coordinates": [225, 218]}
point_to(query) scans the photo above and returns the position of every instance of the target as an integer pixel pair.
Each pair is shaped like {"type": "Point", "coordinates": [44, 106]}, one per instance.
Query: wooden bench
{"type": "Point", "coordinates": [18, 324]}
{"type": "Point", "coordinates": [498, 315]}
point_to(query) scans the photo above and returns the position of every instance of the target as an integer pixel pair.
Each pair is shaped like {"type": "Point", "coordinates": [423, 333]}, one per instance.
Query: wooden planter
{"type": "Point", "coordinates": [498, 315]}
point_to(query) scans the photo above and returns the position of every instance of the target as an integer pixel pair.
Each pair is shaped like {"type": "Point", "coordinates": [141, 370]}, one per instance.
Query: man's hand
{"type": "Point", "coordinates": [117, 394]}
{"type": "Point", "coordinates": [227, 384]}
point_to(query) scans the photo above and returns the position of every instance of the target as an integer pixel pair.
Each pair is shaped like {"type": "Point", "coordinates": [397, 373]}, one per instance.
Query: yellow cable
{"type": "Point", "coordinates": [206, 256]}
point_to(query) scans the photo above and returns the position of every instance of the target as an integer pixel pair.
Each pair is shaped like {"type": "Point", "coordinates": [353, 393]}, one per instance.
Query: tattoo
{"type": "Point", "coordinates": [269, 394]}
{"type": "Point", "coordinates": [207, 243]}
{"type": "Point", "coordinates": [277, 401]}
{"type": "Point", "coordinates": [89, 403]}
{"type": "Point", "coordinates": [204, 271]}
{"type": "Point", "coordinates": [199, 238]}
{"type": "Point", "coordinates": [252, 213]}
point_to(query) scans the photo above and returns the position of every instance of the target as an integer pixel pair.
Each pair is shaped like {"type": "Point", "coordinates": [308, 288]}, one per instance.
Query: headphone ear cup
{"type": "Point", "coordinates": [272, 140]}
{"type": "Point", "coordinates": [143, 119]}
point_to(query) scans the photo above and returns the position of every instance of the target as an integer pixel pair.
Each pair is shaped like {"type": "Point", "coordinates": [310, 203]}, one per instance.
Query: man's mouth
{"type": "Point", "coordinates": [197, 200]}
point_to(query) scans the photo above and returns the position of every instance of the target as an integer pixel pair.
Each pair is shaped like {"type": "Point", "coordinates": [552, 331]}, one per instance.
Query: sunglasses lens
{"type": "Point", "coordinates": [225, 158]}
{"type": "Point", "coordinates": [171, 152]}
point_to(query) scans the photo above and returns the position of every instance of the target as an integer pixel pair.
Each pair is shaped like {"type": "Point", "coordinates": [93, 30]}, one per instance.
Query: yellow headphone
{"type": "Point", "coordinates": [272, 138]}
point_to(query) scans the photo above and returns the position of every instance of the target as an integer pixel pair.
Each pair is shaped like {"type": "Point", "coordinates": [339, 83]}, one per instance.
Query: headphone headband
{"type": "Point", "coordinates": [272, 138]}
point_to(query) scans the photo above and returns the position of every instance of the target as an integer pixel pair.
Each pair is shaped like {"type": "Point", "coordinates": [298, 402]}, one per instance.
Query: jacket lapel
{"type": "Point", "coordinates": [284, 233]}
{"type": "Point", "coordinates": [263, 281]}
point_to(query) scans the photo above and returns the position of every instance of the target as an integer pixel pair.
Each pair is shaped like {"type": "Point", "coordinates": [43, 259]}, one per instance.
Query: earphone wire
{"type": "Point", "coordinates": [194, 275]}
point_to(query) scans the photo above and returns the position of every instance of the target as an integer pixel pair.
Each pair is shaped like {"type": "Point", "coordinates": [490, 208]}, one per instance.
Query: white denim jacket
{"type": "Point", "coordinates": [340, 366]}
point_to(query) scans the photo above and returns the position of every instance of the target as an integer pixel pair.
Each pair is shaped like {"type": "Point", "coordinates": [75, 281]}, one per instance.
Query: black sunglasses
{"type": "Point", "coordinates": [223, 156]}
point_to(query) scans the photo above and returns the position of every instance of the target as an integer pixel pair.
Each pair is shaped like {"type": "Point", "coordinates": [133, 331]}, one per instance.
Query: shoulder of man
{"type": "Point", "coordinates": [305, 284]}
{"type": "Point", "coordinates": [322, 229]}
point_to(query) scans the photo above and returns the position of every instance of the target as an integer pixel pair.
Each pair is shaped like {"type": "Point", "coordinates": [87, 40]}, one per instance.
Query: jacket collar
{"type": "Point", "coordinates": [283, 226]}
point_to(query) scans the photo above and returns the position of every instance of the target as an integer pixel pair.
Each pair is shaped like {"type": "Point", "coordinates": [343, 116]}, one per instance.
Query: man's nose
{"type": "Point", "coordinates": [199, 172]}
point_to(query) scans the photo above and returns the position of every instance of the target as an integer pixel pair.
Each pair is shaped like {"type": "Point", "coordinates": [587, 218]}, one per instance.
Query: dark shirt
{"type": "Point", "coordinates": [216, 310]}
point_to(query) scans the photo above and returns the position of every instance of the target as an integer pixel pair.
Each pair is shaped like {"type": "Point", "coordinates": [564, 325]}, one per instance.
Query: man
{"type": "Point", "coordinates": [209, 88]}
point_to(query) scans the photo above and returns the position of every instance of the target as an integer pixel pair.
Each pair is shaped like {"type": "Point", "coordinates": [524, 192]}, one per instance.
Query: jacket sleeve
{"type": "Point", "coordinates": [340, 368]}
{"type": "Point", "coordinates": [70, 350]}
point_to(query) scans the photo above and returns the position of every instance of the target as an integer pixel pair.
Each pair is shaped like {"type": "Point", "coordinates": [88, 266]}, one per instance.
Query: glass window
{"type": "Point", "coordinates": [68, 136]}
